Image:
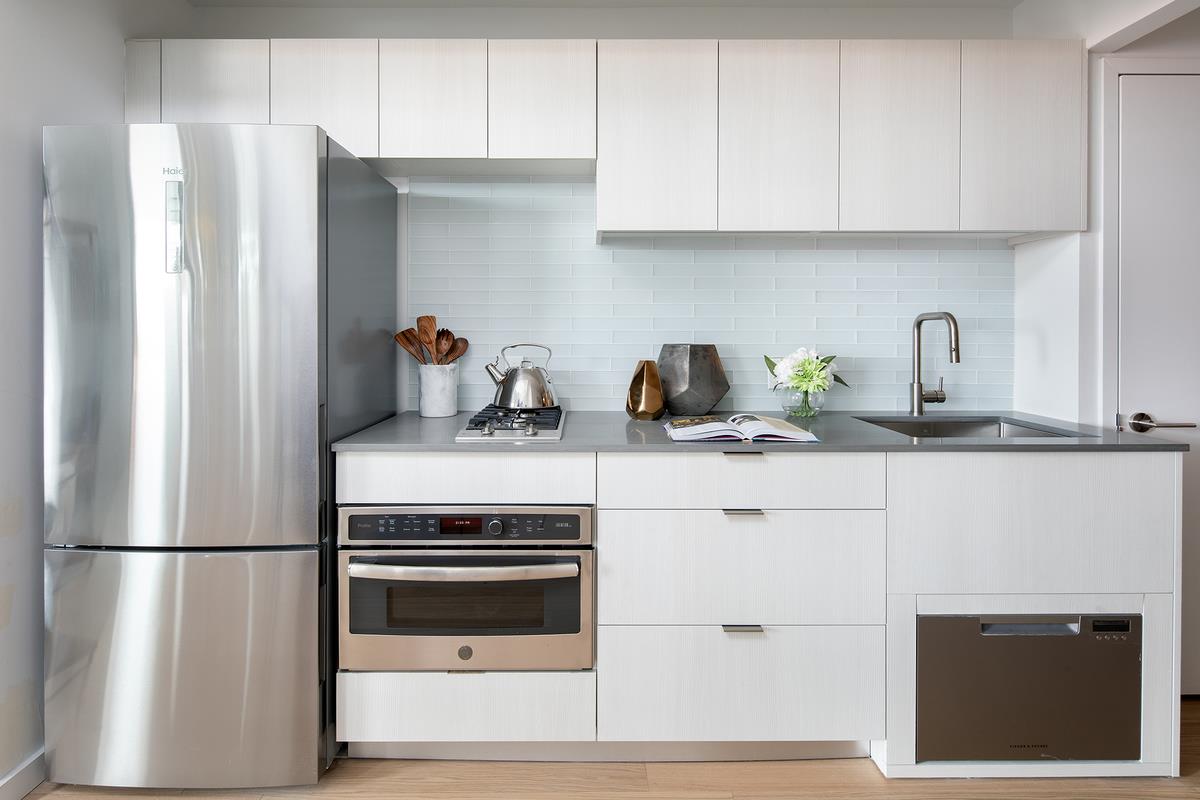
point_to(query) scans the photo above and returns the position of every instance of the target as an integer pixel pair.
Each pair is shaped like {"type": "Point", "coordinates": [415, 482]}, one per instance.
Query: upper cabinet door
{"type": "Point", "coordinates": [656, 148]}
{"type": "Point", "coordinates": [899, 135]}
{"type": "Point", "coordinates": [778, 136]}
{"type": "Point", "coordinates": [333, 83]}
{"type": "Point", "coordinates": [542, 98]}
{"type": "Point", "coordinates": [433, 98]}
{"type": "Point", "coordinates": [1023, 132]}
{"type": "Point", "coordinates": [216, 80]}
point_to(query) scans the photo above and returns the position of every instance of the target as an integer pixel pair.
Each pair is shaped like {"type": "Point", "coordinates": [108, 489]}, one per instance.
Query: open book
{"type": "Point", "coordinates": [739, 427]}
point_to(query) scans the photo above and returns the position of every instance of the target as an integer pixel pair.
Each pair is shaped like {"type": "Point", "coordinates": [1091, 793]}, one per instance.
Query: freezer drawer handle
{"type": "Point", "coordinates": [1029, 628]}
{"type": "Point", "coordinates": [532, 572]}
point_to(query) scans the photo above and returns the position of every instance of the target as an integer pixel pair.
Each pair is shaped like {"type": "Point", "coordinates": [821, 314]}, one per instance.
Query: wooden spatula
{"type": "Point", "coordinates": [427, 333]}
{"type": "Point", "coordinates": [407, 339]}
{"type": "Point", "coordinates": [445, 338]}
{"type": "Point", "coordinates": [456, 350]}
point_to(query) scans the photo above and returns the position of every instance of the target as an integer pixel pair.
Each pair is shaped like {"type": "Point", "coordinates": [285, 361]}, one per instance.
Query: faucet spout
{"type": "Point", "coordinates": [919, 396]}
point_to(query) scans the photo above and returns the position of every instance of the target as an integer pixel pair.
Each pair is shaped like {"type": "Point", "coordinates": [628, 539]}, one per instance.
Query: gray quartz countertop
{"type": "Point", "coordinates": [838, 431]}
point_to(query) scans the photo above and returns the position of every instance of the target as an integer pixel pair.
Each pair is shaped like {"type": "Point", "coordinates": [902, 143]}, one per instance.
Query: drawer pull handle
{"type": "Point", "coordinates": [743, 453]}
{"type": "Point", "coordinates": [742, 628]}
{"type": "Point", "coordinates": [743, 512]}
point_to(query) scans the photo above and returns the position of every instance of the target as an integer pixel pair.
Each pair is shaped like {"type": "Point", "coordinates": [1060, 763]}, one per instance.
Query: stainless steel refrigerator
{"type": "Point", "coordinates": [219, 302]}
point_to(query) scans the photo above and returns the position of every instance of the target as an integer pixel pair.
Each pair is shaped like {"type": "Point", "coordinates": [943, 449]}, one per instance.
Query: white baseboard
{"type": "Point", "coordinates": [25, 778]}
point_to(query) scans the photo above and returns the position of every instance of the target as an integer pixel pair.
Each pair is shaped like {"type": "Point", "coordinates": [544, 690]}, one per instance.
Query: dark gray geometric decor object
{"type": "Point", "coordinates": [693, 378]}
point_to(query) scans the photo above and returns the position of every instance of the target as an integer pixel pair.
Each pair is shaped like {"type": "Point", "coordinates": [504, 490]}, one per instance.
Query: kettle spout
{"type": "Point", "coordinates": [495, 374]}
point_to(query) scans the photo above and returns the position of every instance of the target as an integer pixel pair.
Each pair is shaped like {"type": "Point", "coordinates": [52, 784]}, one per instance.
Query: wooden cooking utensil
{"type": "Point", "coordinates": [427, 333]}
{"type": "Point", "coordinates": [445, 339]}
{"type": "Point", "coordinates": [456, 350]}
{"type": "Point", "coordinates": [407, 339]}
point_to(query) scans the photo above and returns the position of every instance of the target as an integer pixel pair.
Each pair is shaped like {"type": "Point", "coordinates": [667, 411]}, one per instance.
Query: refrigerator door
{"type": "Point", "coordinates": [183, 320]}
{"type": "Point", "coordinates": [183, 670]}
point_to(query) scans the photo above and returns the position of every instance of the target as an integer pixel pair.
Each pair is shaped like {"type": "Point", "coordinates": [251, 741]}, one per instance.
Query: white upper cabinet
{"type": "Point", "coordinates": [542, 98]}
{"type": "Point", "coordinates": [333, 83]}
{"type": "Point", "coordinates": [433, 98]}
{"type": "Point", "coordinates": [899, 135]}
{"type": "Point", "coordinates": [216, 80]}
{"type": "Point", "coordinates": [778, 136]}
{"type": "Point", "coordinates": [656, 148]}
{"type": "Point", "coordinates": [1023, 131]}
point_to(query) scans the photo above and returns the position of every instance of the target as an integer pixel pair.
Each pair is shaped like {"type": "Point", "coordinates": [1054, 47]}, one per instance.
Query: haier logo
{"type": "Point", "coordinates": [178, 171]}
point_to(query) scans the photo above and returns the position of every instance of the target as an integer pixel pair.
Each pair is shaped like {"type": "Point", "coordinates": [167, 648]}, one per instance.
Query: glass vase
{"type": "Point", "coordinates": [796, 403]}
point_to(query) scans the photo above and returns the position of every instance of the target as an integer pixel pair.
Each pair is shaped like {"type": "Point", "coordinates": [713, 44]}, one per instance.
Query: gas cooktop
{"type": "Point", "coordinates": [496, 424]}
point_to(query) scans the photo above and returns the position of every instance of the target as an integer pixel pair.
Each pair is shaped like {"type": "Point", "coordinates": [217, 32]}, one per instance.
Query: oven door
{"type": "Point", "coordinates": [466, 610]}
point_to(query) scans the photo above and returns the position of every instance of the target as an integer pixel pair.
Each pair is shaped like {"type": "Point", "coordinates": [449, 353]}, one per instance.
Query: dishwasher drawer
{"type": "Point", "coordinates": [1029, 688]}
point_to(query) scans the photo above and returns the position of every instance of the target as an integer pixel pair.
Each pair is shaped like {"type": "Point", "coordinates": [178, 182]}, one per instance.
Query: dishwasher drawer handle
{"type": "Point", "coordinates": [532, 572]}
{"type": "Point", "coordinates": [1029, 628]}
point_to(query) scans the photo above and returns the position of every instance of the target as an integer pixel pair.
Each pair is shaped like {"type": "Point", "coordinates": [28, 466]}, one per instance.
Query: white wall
{"type": "Point", "coordinates": [1046, 341]}
{"type": "Point", "coordinates": [644, 22]}
{"type": "Point", "coordinates": [61, 61]}
{"type": "Point", "coordinates": [1105, 25]}
{"type": "Point", "coordinates": [1180, 39]}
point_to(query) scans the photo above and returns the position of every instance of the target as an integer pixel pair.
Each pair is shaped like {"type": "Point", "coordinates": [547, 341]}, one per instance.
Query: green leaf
{"type": "Point", "coordinates": [770, 363]}
{"type": "Point", "coordinates": [828, 359]}
{"type": "Point", "coordinates": [838, 379]}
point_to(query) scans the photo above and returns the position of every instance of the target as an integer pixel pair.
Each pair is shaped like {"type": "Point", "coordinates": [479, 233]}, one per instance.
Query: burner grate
{"type": "Point", "coordinates": [543, 419]}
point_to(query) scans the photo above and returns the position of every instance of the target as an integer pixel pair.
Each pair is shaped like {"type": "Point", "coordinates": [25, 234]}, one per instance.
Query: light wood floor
{"type": "Point", "coordinates": [843, 779]}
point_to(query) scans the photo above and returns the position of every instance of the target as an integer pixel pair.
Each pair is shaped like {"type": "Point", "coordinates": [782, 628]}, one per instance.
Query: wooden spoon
{"type": "Point", "coordinates": [456, 350]}
{"type": "Point", "coordinates": [445, 338]}
{"type": "Point", "coordinates": [427, 333]}
{"type": "Point", "coordinates": [407, 339]}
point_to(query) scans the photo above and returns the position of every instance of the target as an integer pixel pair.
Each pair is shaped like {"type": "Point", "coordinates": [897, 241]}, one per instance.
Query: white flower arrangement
{"type": "Point", "coordinates": [804, 371]}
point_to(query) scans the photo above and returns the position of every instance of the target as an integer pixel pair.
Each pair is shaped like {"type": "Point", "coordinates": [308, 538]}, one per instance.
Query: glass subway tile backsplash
{"type": "Point", "coordinates": [510, 260]}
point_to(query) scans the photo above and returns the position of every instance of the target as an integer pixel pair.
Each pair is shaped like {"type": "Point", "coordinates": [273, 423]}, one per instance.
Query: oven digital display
{"type": "Point", "coordinates": [461, 524]}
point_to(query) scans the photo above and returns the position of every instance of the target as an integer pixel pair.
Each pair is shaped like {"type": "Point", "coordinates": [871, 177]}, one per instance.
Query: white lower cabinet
{"type": "Point", "coordinates": [706, 567]}
{"type": "Point", "coordinates": [466, 707]}
{"type": "Point", "coordinates": [703, 684]}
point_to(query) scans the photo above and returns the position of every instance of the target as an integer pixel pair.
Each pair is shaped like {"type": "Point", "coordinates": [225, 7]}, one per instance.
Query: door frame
{"type": "Point", "coordinates": [1110, 212]}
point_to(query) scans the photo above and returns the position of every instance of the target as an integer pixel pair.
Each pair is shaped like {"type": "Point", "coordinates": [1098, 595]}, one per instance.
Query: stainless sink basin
{"type": "Point", "coordinates": [964, 427]}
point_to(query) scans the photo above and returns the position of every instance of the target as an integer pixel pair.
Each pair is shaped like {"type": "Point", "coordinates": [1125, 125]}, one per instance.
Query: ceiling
{"type": "Point", "coordinates": [349, 4]}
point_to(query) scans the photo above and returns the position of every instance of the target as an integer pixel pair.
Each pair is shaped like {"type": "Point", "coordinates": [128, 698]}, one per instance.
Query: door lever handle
{"type": "Point", "coordinates": [1141, 422]}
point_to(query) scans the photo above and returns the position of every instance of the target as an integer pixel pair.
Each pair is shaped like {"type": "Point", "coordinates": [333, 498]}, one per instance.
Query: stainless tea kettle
{"type": "Point", "coordinates": [524, 386]}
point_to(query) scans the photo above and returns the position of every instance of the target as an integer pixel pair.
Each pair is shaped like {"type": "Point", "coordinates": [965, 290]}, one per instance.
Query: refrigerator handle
{"type": "Point", "coordinates": [174, 237]}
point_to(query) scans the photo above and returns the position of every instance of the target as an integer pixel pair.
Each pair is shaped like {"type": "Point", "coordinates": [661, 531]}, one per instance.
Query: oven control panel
{"type": "Point", "coordinates": [436, 525]}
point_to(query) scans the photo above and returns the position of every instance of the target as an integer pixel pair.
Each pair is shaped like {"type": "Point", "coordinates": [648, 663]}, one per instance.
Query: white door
{"type": "Point", "coordinates": [1160, 282]}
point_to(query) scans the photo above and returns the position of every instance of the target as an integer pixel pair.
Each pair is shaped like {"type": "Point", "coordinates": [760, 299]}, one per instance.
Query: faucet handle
{"type": "Point", "coordinates": [937, 395]}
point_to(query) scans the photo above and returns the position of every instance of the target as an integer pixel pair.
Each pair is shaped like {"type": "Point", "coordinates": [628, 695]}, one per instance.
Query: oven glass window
{"type": "Point", "coordinates": [436, 604]}
{"type": "Point", "coordinates": [465, 606]}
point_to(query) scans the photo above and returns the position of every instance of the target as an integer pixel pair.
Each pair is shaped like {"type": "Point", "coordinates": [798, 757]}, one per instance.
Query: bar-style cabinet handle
{"type": "Point", "coordinates": [743, 512]}
{"type": "Point", "coordinates": [742, 628]}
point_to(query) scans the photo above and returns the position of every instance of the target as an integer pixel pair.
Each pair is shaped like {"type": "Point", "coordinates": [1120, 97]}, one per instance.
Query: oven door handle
{"type": "Point", "coordinates": [531, 572]}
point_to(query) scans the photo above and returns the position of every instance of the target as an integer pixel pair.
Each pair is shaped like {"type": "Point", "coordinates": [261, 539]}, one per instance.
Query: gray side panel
{"type": "Point", "coordinates": [183, 670]}
{"type": "Point", "coordinates": [181, 390]}
{"type": "Point", "coordinates": [362, 295]}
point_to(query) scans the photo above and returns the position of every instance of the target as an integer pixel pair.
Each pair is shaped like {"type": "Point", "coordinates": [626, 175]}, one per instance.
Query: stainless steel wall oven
{"type": "Point", "coordinates": [466, 588]}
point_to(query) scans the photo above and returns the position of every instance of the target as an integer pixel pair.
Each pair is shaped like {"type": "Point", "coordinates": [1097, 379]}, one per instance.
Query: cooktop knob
{"type": "Point", "coordinates": [495, 527]}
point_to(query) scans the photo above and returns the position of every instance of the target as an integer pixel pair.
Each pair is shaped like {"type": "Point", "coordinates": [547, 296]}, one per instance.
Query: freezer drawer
{"type": "Point", "coordinates": [1026, 688]}
{"type": "Point", "coordinates": [181, 669]}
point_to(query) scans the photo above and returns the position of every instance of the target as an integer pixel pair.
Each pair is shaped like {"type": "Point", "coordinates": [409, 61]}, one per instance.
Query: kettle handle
{"type": "Point", "coordinates": [549, 352]}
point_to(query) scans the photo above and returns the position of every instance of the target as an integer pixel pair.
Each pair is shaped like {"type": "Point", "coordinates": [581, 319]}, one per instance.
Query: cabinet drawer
{"type": "Point", "coordinates": [466, 707]}
{"type": "Point", "coordinates": [1032, 523]}
{"type": "Point", "coordinates": [466, 478]}
{"type": "Point", "coordinates": [707, 568]}
{"type": "Point", "coordinates": [742, 480]}
{"type": "Point", "coordinates": [699, 683]}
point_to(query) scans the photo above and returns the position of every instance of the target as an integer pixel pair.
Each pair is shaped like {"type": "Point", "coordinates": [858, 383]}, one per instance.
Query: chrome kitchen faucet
{"type": "Point", "coordinates": [919, 395]}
